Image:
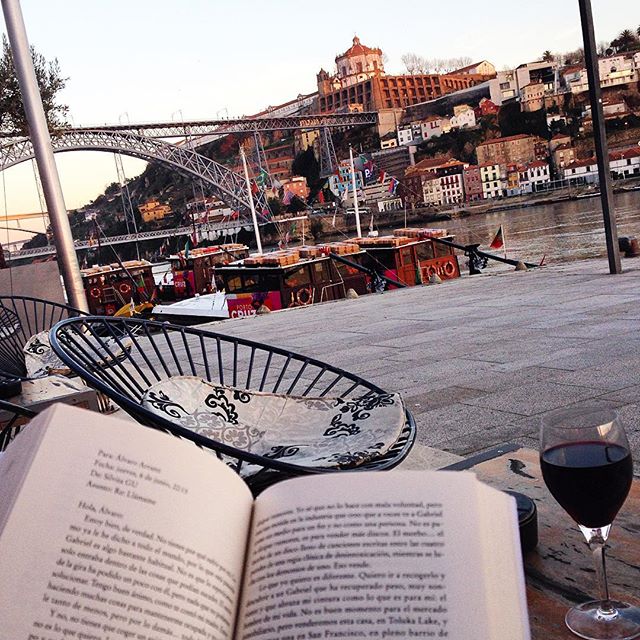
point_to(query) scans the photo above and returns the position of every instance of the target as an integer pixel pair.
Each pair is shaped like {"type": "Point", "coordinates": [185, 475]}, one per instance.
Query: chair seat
{"type": "Point", "coordinates": [41, 360]}
{"type": "Point", "coordinates": [328, 432]}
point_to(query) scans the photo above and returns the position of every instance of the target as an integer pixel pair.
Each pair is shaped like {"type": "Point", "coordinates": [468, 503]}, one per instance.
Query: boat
{"type": "Point", "coordinates": [121, 288]}
{"type": "Point", "coordinates": [276, 280]}
{"type": "Point", "coordinates": [411, 256]}
{"type": "Point", "coordinates": [192, 271]}
{"type": "Point", "coordinates": [306, 275]}
{"type": "Point", "coordinates": [196, 310]}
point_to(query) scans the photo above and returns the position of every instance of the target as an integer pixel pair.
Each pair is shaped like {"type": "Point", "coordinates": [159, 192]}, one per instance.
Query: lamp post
{"type": "Point", "coordinates": [600, 137]}
{"type": "Point", "coordinates": [39, 134]}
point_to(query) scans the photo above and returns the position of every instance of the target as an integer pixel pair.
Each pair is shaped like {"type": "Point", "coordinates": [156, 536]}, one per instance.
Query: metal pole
{"type": "Point", "coordinates": [355, 194]}
{"type": "Point", "coordinates": [256, 229]}
{"type": "Point", "coordinates": [39, 133]}
{"type": "Point", "coordinates": [600, 137]}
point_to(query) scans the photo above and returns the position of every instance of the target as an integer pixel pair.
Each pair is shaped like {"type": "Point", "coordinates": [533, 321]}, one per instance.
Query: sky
{"type": "Point", "coordinates": [162, 61]}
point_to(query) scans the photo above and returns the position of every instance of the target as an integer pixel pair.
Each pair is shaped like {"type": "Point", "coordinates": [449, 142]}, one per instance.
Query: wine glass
{"type": "Point", "coordinates": [586, 464]}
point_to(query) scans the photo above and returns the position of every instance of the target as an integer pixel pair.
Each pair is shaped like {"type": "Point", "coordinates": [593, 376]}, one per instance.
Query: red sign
{"type": "Point", "coordinates": [242, 305]}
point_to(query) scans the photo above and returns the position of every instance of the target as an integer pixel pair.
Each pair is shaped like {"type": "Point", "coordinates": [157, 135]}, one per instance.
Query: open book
{"type": "Point", "coordinates": [110, 530]}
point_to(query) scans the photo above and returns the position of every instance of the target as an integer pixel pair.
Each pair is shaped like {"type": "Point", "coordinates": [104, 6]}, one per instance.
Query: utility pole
{"type": "Point", "coordinates": [254, 218]}
{"type": "Point", "coordinates": [600, 137]}
{"type": "Point", "coordinates": [39, 134]}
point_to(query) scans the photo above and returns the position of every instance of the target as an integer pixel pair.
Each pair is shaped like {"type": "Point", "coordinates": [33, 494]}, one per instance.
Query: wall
{"type": "Point", "coordinates": [39, 280]}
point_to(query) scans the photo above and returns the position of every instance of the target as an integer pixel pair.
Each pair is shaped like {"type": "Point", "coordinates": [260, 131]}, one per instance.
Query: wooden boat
{"type": "Point", "coordinates": [110, 288]}
{"type": "Point", "coordinates": [291, 278]}
{"type": "Point", "coordinates": [410, 256]}
{"type": "Point", "coordinates": [192, 271]}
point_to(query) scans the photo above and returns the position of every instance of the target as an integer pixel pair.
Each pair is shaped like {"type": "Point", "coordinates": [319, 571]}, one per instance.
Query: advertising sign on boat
{"type": "Point", "coordinates": [242, 305]}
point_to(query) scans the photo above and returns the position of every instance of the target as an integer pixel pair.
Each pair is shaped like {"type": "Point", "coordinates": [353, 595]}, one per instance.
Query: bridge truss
{"type": "Point", "coordinates": [232, 226]}
{"type": "Point", "coordinates": [229, 186]}
{"type": "Point", "coordinates": [196, 128]}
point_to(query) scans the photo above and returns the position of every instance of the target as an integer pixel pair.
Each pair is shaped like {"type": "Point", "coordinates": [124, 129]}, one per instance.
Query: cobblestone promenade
{"type": "Point", "coordinates": [479, 360]}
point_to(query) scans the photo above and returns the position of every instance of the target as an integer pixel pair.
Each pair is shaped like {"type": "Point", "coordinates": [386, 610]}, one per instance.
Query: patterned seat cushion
{"type": "Point", "coordinates": [312, 432]}
{"type": "Point", "coordinates": [41, 360]}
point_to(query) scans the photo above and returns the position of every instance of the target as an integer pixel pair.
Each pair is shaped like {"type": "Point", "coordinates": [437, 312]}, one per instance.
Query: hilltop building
{"type": "Point", "coordinates": [518, 149]}
{"type": "Point", "coordinates": [154, 210]}
{"type": "Point", "coordinates": [360, 82]}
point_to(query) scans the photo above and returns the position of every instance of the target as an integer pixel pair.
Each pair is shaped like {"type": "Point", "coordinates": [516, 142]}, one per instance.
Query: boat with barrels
{"type": "Point", "coordinates": [306, 275]}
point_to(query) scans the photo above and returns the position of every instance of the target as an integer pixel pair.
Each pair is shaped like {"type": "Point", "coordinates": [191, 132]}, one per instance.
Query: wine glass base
{"type": "Point", "coordinates": [587, 620]}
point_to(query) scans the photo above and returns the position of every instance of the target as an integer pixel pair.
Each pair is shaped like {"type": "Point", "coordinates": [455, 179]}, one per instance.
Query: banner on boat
{"type": "Point", "coordinates": [241, 305]}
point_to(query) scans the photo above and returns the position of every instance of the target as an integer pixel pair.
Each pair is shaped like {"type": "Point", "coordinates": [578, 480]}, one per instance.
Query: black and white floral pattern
{"type": "Point", "coordinates": [41, 360]}
{"type": "Point", "coordinates": [319, 432]}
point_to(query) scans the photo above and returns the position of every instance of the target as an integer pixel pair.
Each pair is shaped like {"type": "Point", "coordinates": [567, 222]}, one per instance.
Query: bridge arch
{"type": "Point", "coordinates": [227, 185]}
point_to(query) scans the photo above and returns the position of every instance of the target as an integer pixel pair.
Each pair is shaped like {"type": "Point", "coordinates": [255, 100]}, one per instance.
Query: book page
{"type": "Point", "coordinates": [379, 555]}
{"type": "Point", "coordinates": [121, 532]}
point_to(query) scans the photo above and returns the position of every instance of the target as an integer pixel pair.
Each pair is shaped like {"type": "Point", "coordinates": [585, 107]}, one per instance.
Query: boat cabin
{"type": "Point", "coordinates": [291, 278]}
{"type": "Point", "coordinates": [110, 287]}
{"type": "Point", "coordinates": [411, 256]}
{"type": "Point", "coordinates": [193, 270]}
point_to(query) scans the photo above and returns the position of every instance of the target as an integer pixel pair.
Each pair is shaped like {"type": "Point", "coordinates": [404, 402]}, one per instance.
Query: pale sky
{"type": "Point", "coordinates": [161, 60]}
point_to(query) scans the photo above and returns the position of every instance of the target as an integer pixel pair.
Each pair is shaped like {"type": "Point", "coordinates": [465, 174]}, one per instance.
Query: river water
{"type": "Point", "coordinates": [564, 231]}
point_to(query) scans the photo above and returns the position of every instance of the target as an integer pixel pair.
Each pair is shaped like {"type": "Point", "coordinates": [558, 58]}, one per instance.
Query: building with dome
{"type": "Point", "coordinates": [360, 83]}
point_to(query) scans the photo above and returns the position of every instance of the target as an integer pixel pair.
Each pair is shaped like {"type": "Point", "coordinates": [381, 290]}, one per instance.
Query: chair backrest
{"type": "Point", "coordinates": [12, 418]}
{"type": "Point", "coordinates": [22, 317]}
{"type": "Point", "coordinates": [141, 353]}
{"type": "Point", "coordinates": [12, 360]}
{"type": "Point", "coordinates": [37, 314]}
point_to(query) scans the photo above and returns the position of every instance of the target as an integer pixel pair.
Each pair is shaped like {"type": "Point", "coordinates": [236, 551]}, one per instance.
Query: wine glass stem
{"type": "Point", "coordinates": [597, 544]}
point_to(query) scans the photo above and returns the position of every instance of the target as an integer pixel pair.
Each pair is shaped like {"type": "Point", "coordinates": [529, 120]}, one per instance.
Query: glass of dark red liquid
{"type": "Point", "coordinates": [586, 464]}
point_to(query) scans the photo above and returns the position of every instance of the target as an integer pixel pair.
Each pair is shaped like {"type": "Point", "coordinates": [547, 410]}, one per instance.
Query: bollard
{"type": "Point", "coordinates": [262, 309]}
{"type": "Point", "coordinates": [434, 278]}
{"type": "Point", "coordinates": [351, 294]}
{"type": "Point", "coordinates": [521, 266]}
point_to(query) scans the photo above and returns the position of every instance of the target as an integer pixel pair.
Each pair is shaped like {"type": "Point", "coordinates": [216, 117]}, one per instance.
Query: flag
{"type": "Point", "coordinates": [288, 197]}
{"type": "Point", "coordinates": [194, 239]}
{"type": "Point", "coordinates": [321, 196]}
{"type": "Point", "coordinates": [498, 241]}
{"type": "Point", "coordinates": [254, 188]}
{"type": "Point", "coordinates": [393, 185]}
{"type": "Point", "coordinates": [262, 178]}
{"type": "Point", "coordinates": [186, 249]}
{"type": "Point", "coordinates": [382, 177]}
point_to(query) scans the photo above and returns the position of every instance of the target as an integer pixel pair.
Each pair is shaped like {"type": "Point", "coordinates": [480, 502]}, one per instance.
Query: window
{"type": "Point", "coordinates": [297, 278]}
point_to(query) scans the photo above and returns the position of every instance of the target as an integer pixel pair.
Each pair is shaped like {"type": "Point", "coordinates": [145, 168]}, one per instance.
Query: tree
{"type": "Point", "coordinates": [415, 64]}
{"type": "Point", "coordinates": [547, 56]}
{"type": "Point", "coordinates": [50, 82]}
{"type": "Point", "coordinates": [626, 41]}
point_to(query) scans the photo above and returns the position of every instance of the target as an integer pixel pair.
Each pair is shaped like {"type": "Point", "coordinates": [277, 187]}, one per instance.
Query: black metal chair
{"type": "Point", "coordinates": [16, 417]}
{"type": "Point", "coordinates": [21, 318]}
{"type": "Point", "coordinates": [12, 359]}
{"type": "Point", "coordinates": [160, 351]}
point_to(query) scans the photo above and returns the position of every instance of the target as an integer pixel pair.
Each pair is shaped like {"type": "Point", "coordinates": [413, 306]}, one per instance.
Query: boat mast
{"type": "Point", "coordinates": [355, 194]}
{"type": "Point", "coordinates": [256, 229]}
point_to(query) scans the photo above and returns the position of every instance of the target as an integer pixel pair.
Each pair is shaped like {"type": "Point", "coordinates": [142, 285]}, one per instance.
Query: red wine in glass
{"type": "Point", "coordinates": [590, 480]}
{"type": "Point", "coordinates": [586, 464]}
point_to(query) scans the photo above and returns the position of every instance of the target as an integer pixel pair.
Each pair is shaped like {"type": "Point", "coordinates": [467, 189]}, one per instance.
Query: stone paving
{"type": "Point", "coordinates": [480, 359]}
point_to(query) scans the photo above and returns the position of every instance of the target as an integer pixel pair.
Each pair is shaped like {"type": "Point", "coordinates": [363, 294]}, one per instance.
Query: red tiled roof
{"type": "Point", "coordinates": [358, 49]}
{"type": "Point", "coordinates": [566, 145]}
{"type": "Point", "coordinates": [631, 152]}
{"type": "Point", "coordinates": [581, 163]}
{"type": "Point", "coordinates": [538, 163]}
